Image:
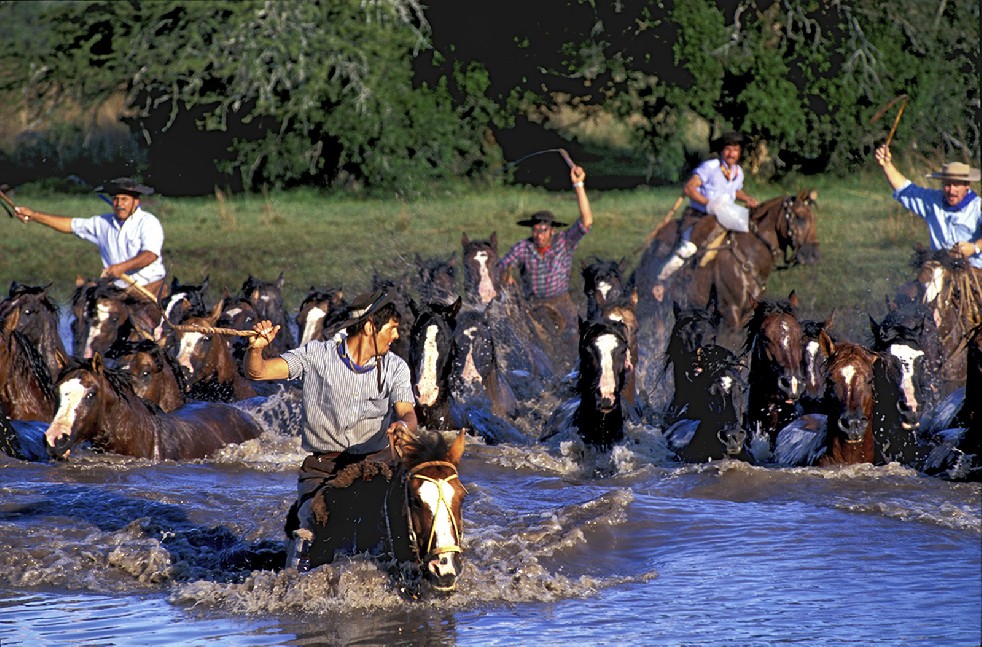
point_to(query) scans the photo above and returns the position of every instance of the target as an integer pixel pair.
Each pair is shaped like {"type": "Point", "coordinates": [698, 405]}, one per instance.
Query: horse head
{"type": "Point", "coordinates": [694, 328]}
{"type": "Point", "coordinates": [437, 279]}
{"type": "Point", "coordinates": [813, 358]}
{"type": "Point", "coordinates": [602, 282]}
{"type": "Point", "coordinates": [603, 371]}
{"type": "Point", "coordinates": [434, 503]}
{"type": "Point", "coordinates": [237, 313]}
{"type": "Point", "coordinates": [775, 341]}
{"type": "Point", "coordinates": [38, 317]}
{"type": "Point", "coordinates": [480, 260]}
{"type": "Point", "coordinates": [87, 393]}
{"type": "Point", "coordinates": [318, 309]}
{"type": "Point", "coordinates": [898, 339]}
{"type": "Point", "coordinates": [431, 345]}
{"type": "Point", "coordinates": [720, 379]}
{"type": "Point", "coordinates": [153, 373]}
{"type": "Point", "coordinates": [267, 299]}
{"type": "Point", "coordinates": [849, 400]}
{"type": "Point", "coordinates": [185, 300]}
{"type": "Point", "coordinates": [797, 229]}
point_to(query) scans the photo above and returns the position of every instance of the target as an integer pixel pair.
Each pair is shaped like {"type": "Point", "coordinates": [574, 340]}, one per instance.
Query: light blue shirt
{"type": "Point", "coordinates": [714, 183]}
{"type": "Point", "coordinates": [121, 241]}
{"type": "Point", "coordinates": [944, 227]}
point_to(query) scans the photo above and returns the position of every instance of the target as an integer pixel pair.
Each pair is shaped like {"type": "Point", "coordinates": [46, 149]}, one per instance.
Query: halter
{"type": "Point", "coordinates": [458, 535]}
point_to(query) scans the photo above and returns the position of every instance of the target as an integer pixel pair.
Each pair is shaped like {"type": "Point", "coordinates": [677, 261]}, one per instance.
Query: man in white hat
{"type": "Point", "coordinates": [953, 213]}
{"type": "Point", "coordinates": [130, 239]}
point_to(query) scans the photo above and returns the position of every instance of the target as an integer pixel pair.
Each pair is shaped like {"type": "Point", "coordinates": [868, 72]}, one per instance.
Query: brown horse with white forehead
{"type": "Point", "coordinates": [97, 404]}
{"type": "Point", "coordinates": [849, 401]}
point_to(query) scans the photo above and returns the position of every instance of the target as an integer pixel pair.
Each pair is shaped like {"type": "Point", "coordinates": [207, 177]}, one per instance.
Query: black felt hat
{"type": "Point", "coordinates": [364, 306]}
{"type": "Point", "coordinates": [728, 138]}
{"type": "Point", "coordinates": [124, 185]}
{"type": "Point", "coordinates": [541, 217]}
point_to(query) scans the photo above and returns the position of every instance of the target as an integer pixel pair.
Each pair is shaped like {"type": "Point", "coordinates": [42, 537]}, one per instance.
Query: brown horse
{"type": "Point", "coordinates": [98, 405]}
{"type": "Point", "coordinates": [409, 513]}
{"type": "Point", "coordinates": [209, 367]}
{"type": "Point", "coordinates": [38, 319]}
{"type": "Point", "coordinates": [317, 312]}
{"type": "Point", "coordinates": [782, 233]}
{"type": "Point", "coordinates": [154, 373]}
{"type": "Point", "coordinates": [849, 401]}
{"type": "Point", "coordinates": [105, 314]}
{"type": "Point", "coordinates": [26, 391]}
{"type": "Point", "coordinates": [776, 381]}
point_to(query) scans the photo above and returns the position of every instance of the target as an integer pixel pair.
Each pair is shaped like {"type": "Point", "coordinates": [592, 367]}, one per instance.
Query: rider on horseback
{"type": "Point", "coordinates": [716, 177]}
{"type": "Point", "coordinates": [356, 396]}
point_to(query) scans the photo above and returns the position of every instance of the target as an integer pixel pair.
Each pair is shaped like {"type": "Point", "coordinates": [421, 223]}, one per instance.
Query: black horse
{"type": "Point", "coordinates": [694, 329]}
{"type": "Point", "coordinates": [603, 368]}
{"type": "Point", "coordinates": [603, 283]}
{"type": "Point", "coordinates": [431, 350]}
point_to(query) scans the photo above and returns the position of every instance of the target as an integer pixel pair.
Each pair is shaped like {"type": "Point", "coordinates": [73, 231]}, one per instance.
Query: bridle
{"type": "Point", "coordinates": [431, 550]}
{"type": "Point", "coordinates": [786, 215]}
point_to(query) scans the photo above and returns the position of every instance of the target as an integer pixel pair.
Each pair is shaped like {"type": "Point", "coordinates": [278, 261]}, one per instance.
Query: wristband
{"type": "Point", "coordinates": [977, 250]}
{"type": "Point", "coordinates": [577, 185]}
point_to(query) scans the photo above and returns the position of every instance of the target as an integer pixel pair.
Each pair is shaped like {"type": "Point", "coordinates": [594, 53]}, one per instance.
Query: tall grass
{"type": "Point", "coordinates": [341, 241]}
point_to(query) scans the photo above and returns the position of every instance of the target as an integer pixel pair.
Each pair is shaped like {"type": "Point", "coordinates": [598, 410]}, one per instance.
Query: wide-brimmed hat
{"type": "Point", "coordinates": [958, 171]}
{"type": "Point", "coordinates": [728, 138]}
{"type": "Point", "coordinates": [125, 185]}
{"type": "Point", "coordinates": [541, 217]}
{"type": "Point", "coordinates": [364, 306]}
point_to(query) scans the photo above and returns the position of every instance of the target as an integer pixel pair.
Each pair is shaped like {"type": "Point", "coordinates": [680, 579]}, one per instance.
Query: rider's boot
{"type": "Point", "coordinates": [297, 550]}
{"type": "Point", "coordinates": [682, 253]}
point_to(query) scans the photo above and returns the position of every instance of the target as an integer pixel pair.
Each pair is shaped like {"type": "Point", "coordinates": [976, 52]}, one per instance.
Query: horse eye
{"type": "Point", "coordinates": [90, 395]}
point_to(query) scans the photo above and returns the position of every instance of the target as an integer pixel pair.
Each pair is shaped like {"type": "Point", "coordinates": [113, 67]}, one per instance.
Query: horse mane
{"type": "Point", "coordinates": [118, 379]}
{"type": "Point", "coordinates": [35, 362]}
{"type": "Point", "coordinates": [765, 208]}
{"type": "Point", "coordinates": [159, 355]}
{"type": "Point", "coordinates": [764, 309]}
{"type": "Point", "coordinates": [18, 290]}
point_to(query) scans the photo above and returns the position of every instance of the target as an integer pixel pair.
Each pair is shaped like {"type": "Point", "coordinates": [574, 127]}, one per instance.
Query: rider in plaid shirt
{"type": "Point", "coordinates": [545, 262]}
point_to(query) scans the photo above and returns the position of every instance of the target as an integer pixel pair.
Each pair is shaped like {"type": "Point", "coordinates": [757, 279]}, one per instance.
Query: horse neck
{"type": "Point", "coordinates": [128, 426]}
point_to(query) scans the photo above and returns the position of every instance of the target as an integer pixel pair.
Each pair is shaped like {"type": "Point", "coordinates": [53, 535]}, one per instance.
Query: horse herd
{"type": "Point", "coordinates": [706, 361]}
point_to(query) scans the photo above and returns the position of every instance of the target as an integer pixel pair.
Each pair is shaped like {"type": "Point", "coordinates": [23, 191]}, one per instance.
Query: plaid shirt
{"type": "Point", "coordinates": [545, 275]}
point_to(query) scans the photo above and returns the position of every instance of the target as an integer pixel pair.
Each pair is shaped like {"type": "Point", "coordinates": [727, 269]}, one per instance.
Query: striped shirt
{"type": "Point", "coordinates": [121, 241]}
{"type": "Point", "coordinates": [545, 275]}
{"type": "Point", "coordinates": [343, 411]}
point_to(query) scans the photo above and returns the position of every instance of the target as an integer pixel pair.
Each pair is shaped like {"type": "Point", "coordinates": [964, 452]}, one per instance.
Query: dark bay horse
{"type": "Point", "coordinates": [603, 282]}
{"type": "Point", "coordinates": [105, 314]}
{"type": "Point", "coordinates": [185, 300]}
{"type": "Point", "coordinates": [26, 386]}
{"type": "Point", "coordinates": [776, 380]}
{"type": "Point", "coordinates": [714, 414]}
{"type": "Point", "coordinates": [409, 514]}
{"type": "Point", "coordinates": [317, 311]}
{"type": "Point", "coordinates": [812, 361]}
{"type": "Point", "coordinates": [603, 368]}
{"type": "Point", "coordinates": [850, 398]}
{"type": "Point", "coordinates": [694, 329]}
{"type": "Point", "coordinates": [436, 279]}
{"type": "Point", "coordinates": [38, 318]}
{"type": "Point", "coordinates": [267, 298]}
{"type": "Point", "coordinates": [97, 404]}
{"type": "Point", "coordinates": [153, 373]}
{"type": "Point", "coordinates": [482, 282]}
{"type": "Point", "coordinates": [211, 371]}
{"type": "Point", "coordinates": [431, 357]}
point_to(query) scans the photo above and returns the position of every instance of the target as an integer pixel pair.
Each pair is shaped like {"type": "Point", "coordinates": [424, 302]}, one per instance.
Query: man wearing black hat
{"type": "Point", "coordinates": [356, 396]}
{"type": "Point", "coordinates": [130, 239]}
{"type": "Point", "coordinates": [545, 259]}
{"type": "Point", "coordinates": [720, 176]}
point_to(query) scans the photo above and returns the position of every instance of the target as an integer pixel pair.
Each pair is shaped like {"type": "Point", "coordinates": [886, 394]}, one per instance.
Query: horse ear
{"type": "Point", "coordinates": [414, 308]}
{"type": "Point", "coordinates": [793, 299]}
{"type": "Point", "coordinates": [216, 312]}
{"type": "Point", "coordinates": [204, 283]}
{"type": "Point", "coordinates": [828, 322]}
{"type": "Point", "coordinates": [464, 240]}
{"type": "Point", "coordinates": [494, 241]}
{"type": "Point", "coordinates": [173, 283]}
{"type": "Point", "coordinates": [713, 303]}
{"type": "Point", "coordinates": [874, 327]}
{"type": "Point", "coordinates": [634, 297]}
{"type": "Point", "coordinates": [97, 363]}
{"type": "Point", "coordinates": [10, 323]}
{"type": "Point", "coordinates": [452, 261]}
{"type": "Point", "coordinates": [676, 309]}
{"type": "Point", "coordinates": [825, 343]}
{"type": "Point", "coordinates": [455, 309]}
{"type": "Point", "coordinates": [79, 280]}
{"type": "Point", "coordinates": [457, 448]}
{"type": "Point", "coordinates": [61, 359]}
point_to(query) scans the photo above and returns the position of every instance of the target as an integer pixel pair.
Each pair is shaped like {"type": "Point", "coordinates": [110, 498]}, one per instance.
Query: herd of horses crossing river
{"type": "Point", "coordinates": [704, 465]}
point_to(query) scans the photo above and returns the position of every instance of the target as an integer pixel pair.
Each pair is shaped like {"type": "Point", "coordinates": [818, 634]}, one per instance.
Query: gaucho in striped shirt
{"type": "Point", "coordinates": [356, 395]}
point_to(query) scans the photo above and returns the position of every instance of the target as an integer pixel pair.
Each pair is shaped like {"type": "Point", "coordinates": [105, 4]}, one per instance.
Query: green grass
{"type": "Point", "coordinates": [332, 241]}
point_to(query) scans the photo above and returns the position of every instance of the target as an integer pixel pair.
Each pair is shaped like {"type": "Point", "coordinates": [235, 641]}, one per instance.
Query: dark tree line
{"type": "Point", "coordinates": [394, 94]}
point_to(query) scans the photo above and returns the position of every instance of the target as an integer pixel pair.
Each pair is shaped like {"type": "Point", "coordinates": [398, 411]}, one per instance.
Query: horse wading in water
{"type": "Point", "coordinates": [97, 404]}
{"type": "Point", "coordinates": [409, 512]}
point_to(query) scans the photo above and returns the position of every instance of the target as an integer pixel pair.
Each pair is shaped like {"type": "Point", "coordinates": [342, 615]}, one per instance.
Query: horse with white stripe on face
{"type": "Point", "coordinates": [431, 345]}
{"type": "Point", "coordinates": [603, 369]}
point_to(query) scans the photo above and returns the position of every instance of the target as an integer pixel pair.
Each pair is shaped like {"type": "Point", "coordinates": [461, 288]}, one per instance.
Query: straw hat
{"type": "Point", "coordinates": [958, 172]}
